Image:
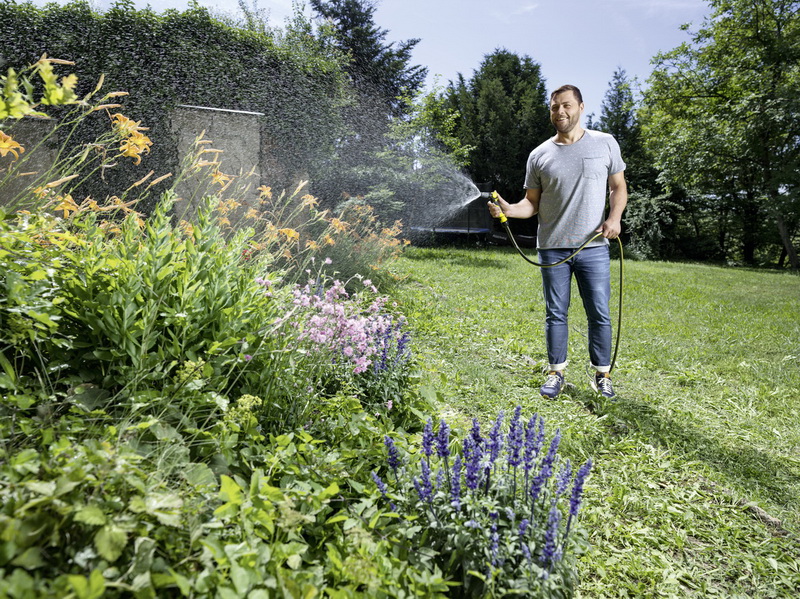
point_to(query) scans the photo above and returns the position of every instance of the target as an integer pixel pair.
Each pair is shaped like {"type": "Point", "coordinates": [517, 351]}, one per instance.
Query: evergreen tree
{"type": "Point", "coordinates": [503, 116]}
{"type": "Point", "coordinates": [377, 68]}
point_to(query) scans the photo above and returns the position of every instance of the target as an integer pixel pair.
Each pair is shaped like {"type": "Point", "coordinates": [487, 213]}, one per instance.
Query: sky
{"type": "Point", "coordinates": [582, 42]}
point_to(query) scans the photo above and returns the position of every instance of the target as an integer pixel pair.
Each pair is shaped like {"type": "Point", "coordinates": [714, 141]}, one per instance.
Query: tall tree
{"type": "Point", "coordinates": [722, 117]}
{"type": "Point", "coordinates": [503, 116]}
{"type": "Point", "coordinates": [650, 212]}
{"type": "Point", "coordinates": [377, 68]}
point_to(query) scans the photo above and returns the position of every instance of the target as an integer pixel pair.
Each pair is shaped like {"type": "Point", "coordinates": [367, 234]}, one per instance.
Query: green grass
{"type": "Point", "coordinates": [696, 485]}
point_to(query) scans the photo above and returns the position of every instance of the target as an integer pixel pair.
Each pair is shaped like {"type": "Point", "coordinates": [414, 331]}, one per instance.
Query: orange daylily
{"type": "Point", "coordinates": [9, 146]}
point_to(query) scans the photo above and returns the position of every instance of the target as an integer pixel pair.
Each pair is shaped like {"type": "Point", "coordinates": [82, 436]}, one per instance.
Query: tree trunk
{"type": "Point", "coordinates": [787, 242]}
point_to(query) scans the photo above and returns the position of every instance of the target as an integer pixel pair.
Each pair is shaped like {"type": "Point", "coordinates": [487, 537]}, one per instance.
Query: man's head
{"type": "Point", "coordinates": [566, 105]}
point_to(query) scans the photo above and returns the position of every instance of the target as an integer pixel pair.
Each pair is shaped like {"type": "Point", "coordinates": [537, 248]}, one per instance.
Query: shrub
{"type": "Point", "coordinates": [498, 516]}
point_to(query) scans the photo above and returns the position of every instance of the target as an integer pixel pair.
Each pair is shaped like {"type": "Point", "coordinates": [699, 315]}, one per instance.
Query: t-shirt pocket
{"type": "Point", "coordinates": [594, 168]}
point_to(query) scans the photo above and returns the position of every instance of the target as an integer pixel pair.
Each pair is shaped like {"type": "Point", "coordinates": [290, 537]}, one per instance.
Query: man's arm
{"type": "Point", "coordinates": [617, 200]}
{"type": "Point", "coordinates": [525, 208]}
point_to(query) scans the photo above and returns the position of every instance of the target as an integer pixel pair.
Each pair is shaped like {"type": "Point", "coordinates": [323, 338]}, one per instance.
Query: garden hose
{"type": "Point", "coordinates": [504, 222]}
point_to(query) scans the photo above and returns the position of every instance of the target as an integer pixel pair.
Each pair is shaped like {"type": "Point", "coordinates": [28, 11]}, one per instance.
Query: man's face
{"type": "Point", "coordinates": [565, 111]}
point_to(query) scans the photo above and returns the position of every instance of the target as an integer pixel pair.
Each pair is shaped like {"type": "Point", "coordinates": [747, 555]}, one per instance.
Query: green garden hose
{"type": "Point", "coordinates": [504, 222]}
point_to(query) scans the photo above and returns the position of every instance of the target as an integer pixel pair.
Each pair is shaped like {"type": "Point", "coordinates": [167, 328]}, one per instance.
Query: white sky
{"type": "Point", "coordinates": [575, 41]}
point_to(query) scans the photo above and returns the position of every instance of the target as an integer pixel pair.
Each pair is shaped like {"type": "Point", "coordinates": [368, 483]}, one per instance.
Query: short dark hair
{"type": "Point", "coordinates": [568, 88]}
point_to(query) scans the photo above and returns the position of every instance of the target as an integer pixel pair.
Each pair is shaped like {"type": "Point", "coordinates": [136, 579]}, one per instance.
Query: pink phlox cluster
{"type": "Point", "coordinates": [339, 323]}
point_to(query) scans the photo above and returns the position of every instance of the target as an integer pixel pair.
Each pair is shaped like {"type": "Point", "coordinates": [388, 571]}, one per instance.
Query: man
{"type": "Point", "coordinates": [565, 184]}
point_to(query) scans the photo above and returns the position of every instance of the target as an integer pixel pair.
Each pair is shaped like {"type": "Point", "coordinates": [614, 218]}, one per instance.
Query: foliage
{"type": "Point", "coordinates": [502, 114]}
{"type": "Point", "coordinates": [365, 348]}
{"type": "Point", "coordinates": [188, 57]}
{"type": "Point", "coordinates": [497, 514]}
{"type": "Point", "coordinates": [377, 69]}
{"type": "Point", "coordinates": [158, 402]}
{"type": "Point", "coordinates": [720, 117]}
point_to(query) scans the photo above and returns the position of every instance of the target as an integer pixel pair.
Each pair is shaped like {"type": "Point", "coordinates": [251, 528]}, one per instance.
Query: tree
{"type": "Point", "coordinates": [503, 116]}
{"type": "Point", "coordinates": [722, 117]}
{"type": "Point", "coordinates": [650, 211]}
{"type": "Point", "coordinates": [376, 68]}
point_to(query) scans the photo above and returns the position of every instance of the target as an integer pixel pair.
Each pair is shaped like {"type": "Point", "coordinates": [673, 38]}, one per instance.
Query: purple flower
{"type": "Point", "coordinates": [534, 439]}
{"type": "Point", "coordinates": [475, 433]}
{"type": "Point", "coordinates": [523, 527]}
{"type": "Point", "coordinates": [577, 492]}
{"type": "Point", "coordinates": [549, 551]}
{"type": "Point", "coordinates": [443, 440]}
{"type": "Point", "coordinates": [455, 484]}
{"type": "Point", "coordinates": [495, 548]}
{"type": "Point", "coordinates": [514, 443]}
{"type": "Point", "coordinates": [563, 478]}
{"type": "Point", "coordinates": [550, 458]}
{"type": "Point", "coordinates": [473, 455]}
{"type": "Point", "coordinates": [539, 481]}
{"type": "Point", "coordinates": [379, 483]}
{"type": "Point", "coordinates": [423, 485]}
{"type": "Point", "coordinates": [394, 455]}
{"type": "Point", "coordinates": [427, 439]}
{"type": "Point", "coordinates": [495, 444]}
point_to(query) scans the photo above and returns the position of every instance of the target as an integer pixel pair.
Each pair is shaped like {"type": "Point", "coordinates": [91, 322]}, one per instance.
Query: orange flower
{"type": "Point", "coordinates": [339, 225]}
{"type": "Point", "coordinates": [9, 146]}
{"type": "Point", "coordinates": [221, 178]}
{"type": "Point", "coordinates": [134, 143]}
{"type": "Point", "coordinates": [309, 201]}
{"type": "Point", "coordinates": [67, 204]}
{"type": "Point", "coordinates": [289, 234]}
{"type": "Point", "coordinates": [266, 192]}
{"type": "Point", "coordinates": [312, 245]}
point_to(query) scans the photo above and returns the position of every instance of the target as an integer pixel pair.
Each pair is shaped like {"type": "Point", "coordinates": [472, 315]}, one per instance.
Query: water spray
{"type": "Point", "coordinates": [494, 197]}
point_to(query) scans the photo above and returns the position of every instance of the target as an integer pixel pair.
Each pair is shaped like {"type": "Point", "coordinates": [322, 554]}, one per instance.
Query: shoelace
{"type": "Point", "coordinates": [604, 384]}
{"type": "Point", "coordinates": [553, 380]}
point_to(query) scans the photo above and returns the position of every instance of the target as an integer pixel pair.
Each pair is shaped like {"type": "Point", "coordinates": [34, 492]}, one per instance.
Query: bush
{"type": "Point", "coordinates": [497, 516]}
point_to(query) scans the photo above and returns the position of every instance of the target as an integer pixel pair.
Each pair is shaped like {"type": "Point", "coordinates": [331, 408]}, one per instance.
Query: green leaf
{"type": "Point", "coordinates": [91, 514]}
{"type": "Point", "coordinates": [332, 490]}
{"type": "Point", "coordinates": [29, 559]}
{"type": "Point", "coordinates": [183, 583]}
{"type": "Point", "coordinates": [229, 491]}
{"type": "Point", "coordinates": [110, 542]}
{"type": "Point", "coordinates": [92, 588]}
{"type": "Point", "coordinates": [199, 475]}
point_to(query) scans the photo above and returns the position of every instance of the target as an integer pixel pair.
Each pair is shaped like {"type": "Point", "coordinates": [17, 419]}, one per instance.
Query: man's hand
{"type": "Point", "coordinates": [611, 228]}
{"type": "Point", "coordinates": [498, 209]}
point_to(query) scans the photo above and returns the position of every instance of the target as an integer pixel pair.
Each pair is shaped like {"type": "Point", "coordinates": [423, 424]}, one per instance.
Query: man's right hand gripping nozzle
{"type": "Point", "coordinates": [495, 209]}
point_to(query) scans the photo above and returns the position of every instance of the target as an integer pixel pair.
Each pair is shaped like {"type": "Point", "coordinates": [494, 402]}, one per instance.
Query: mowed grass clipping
{"type": "Point", "coordinates": [696, 485]}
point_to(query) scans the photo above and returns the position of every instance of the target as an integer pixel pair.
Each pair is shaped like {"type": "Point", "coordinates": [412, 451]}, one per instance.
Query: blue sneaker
{"type": "Point", "coordinates": [552, 386]}
{"type": "Point", "coordinates": [602, 384]}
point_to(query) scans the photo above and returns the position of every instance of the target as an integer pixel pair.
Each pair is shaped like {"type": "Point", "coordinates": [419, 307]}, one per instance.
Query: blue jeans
{"type": "Point", "coordinates": [591, 268]}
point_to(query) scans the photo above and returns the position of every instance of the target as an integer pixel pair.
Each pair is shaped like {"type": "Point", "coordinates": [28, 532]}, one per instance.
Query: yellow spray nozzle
{"type": "Point", "coordinates": [496, 200]}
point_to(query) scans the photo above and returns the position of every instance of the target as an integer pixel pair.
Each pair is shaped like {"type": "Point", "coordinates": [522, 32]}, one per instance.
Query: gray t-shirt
{"type": "Point", "coordinates": [573, 179]}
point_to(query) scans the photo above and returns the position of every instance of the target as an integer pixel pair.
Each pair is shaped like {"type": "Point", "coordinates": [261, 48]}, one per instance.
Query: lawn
{"type": "Point", "coordinates": [696, 484]}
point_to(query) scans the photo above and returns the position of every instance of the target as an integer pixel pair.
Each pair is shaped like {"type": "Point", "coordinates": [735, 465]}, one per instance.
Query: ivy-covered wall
{"type": "Point", "coordinates": [172, 58]}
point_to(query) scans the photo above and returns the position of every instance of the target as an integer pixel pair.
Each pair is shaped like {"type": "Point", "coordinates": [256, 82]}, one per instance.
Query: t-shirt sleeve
{"type": "Point", "coordinates": [617, 164]}
{"type": "Point", "coordinates": [532, 177]}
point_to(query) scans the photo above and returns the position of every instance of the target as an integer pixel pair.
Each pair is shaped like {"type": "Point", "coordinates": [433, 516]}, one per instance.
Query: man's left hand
{"type": "Point", "coordinates": [610, 229]}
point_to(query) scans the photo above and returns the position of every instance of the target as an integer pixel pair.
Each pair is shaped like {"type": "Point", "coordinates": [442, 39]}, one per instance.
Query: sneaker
{"type": "Point", "coordinates": [552, 386]}
{"type": "Point", "coordinates": [602, 384]}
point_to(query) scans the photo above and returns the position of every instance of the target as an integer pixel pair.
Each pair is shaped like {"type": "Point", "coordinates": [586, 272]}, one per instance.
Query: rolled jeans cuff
{"type": "Point", "coordinates": [603, 369]}
{"type": "Point", "coordinates": [558, 367]}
